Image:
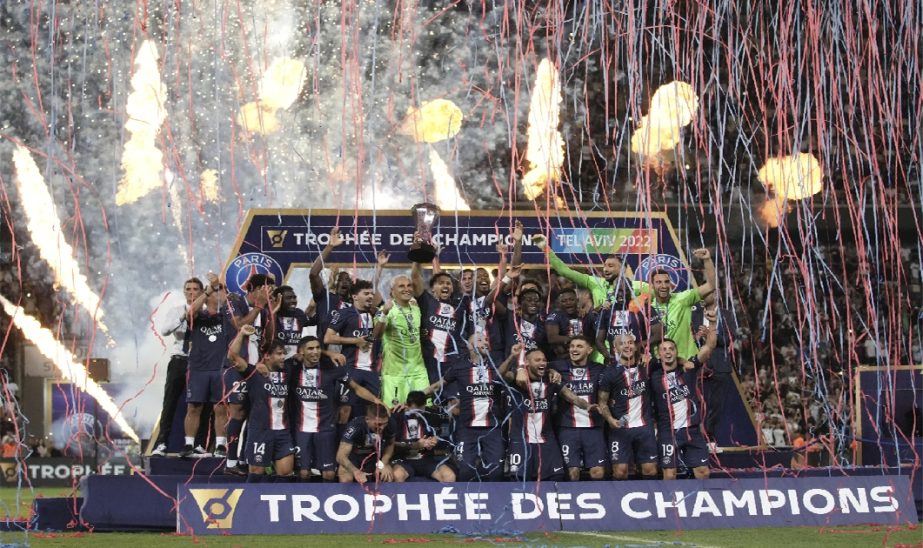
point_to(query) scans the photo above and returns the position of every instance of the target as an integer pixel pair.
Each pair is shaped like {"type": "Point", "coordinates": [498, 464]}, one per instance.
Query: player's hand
{"type": "Point", "coordinates": [386, 473]}
{"type": "Point", "coordinates": [702, 254]}
{"type": "Point", "coordinates": [540, 241]}
{"type": "Point", "coordinates": [262, 369]}
{"type": "Point", "coordinates": [383, 257]}
{"type": "Point", "coordinates": [517, 349]}
{"type": "Point", "coordinates": [592, 408]}
{"type": "Point", "coordinates": [554, 377]}
{"type": "Point", "coordinates": [399, 408]}
{"type": "Point", "coordinates": [387, 307]}
{"type": "Point", "coordinates": [513, 272]}
{"type": "Point", "coordinates": [275, 303]}
{"type": "Point", "coordinates": [337, 358]}
{"type": "Point", "coordinates": [428, 442]}
{"type": "Point", "coordinates": [522, 378]}
{"type": "Point", "coordinates": [701, 332]}
{"type": "Point", "coordinates": [336, 239]}
{"type": "Point", "coordinates": [360, 477]}
{"type": "Point", "coordinates": [517, 231]}
{"type": "Point", "coordinates": [213, 279]}
{"type": "Point", "coordinates": [364, 345]}
{"type": "Point", "coordinates": [712, 316]}
{"type": "Point", "coordinates": [688, 366]}
{"type": "Point", "coordinates": [606, 305]}
{"type": "Point", "coordinates": [614, 422]}
{"type": "Point", "coordinates": [248, 330]}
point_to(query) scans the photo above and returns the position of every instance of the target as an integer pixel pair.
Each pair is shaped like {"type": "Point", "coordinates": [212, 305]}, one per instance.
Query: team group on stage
{"type": "Point", "coordinates": [471, 375]}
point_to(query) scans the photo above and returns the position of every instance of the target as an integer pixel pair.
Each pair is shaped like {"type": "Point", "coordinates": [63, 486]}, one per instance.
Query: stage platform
{"type": "Point", "coordinates": [148, 502]}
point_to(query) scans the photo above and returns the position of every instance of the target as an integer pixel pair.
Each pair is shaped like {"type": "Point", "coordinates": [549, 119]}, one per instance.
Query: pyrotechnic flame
{"type": "Point", "coordinates": [141, 159]}
{"type": "Point", "coordinates": [545, 146]}
{"type": "Point", "coordinates": [446, 193]}
{"type": "Point", "coordinates": [772, 210]}
{"type": "Point", "coordinates": [792, 177]}
{"type": "Point", "coordinates": [209, 185]}
{"type": "Point", "coordinates": [673, 106]}
{"type": "Point", "coordinates": [279, 89]}
{"type": "Point", "coordinates": [45, 229]}
{"type": "Point", "coordinates": [434, 121]}
{"type": "Point", "coordinates": [65, 362]}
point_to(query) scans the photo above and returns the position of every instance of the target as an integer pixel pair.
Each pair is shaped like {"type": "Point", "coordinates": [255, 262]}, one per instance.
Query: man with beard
{"type": "Point", "coordinates": [315, 391]}
{"type": "Point", "coordinates": [351, 329]}
{"type": "Point", "coordinates": [269, 441]}
{"type": "Point", "coordinates": [678, 413]}
{"type": "Point", "coordinates": [625, 403]}
{"type": "Point", "coordinates": [534, 450]}
{"type": "Point", "coordinates": [525, 323]}
{"type": "Point", "coordinates": [367, 447]}
{"type": "Point", "coordinates": [580, 433]}
{"type": "Point", "coordinates": [338, 296]}
{"type": "Point", "coordinates": [397, 324]}
{"type": "Point", "coordinates": [612, 290]}
{"type": "Point", "coordinates": [289, 320]}
{"type": "Point", "coordinates": [446, 320]}
{"type": "Point", "coordinates": [479, 386]}
{"type": "Point", "coordinates": [563, 323]}
{"type": "Point", "coordinates": [208, 343]}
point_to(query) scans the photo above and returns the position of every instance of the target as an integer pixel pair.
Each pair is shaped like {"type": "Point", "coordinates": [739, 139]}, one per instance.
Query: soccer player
{"type": "Point", "coordinates": [326, 301]}
{"type": "Point", "coordinates": [580, 433]}
{"type": "Point", "coordinates": [625, 403]}
{"type": "Point", "coordinates": [175, 323]}
{"type": "Point", "coordinates": [563, 323]}
{"type": "Point", "coordinates": [534, 450]}
{"type": "Point", "coordinates": [269, 441]}
{"type": "Point", "coordinates": [614, 323]}
{"type": "Point", "coordinates": [397, 324]}
{"type": "Point", "coordinates": [315, 392]}
{"type": "Point", "coordinates": [446, 321]}
{"type": "Point", "coordinates": [289, 320]}
{"type": "Point", "coordinates": [208, 343]}
{"type": "Point", "coordinates": [678, 414]}
{"type": "Point", "coordinates": [718, 376]}
{"type": "Point", "coordinates": [351, 329]}
{"type": "Point", "coordinates": [674, 310]}
{"type": "Point", "coordinates": [613, 289]}
{"type": "Point", "coordinates": [367, 447]}
{"type": "Point", "coordinates": [479, 386]}
{"type": "Point", "coordinates": [415, 440]}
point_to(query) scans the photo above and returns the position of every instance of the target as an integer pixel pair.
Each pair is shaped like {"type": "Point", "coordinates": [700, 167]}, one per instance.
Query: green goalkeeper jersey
{"type": "Point", "coordinates": [401, 352]}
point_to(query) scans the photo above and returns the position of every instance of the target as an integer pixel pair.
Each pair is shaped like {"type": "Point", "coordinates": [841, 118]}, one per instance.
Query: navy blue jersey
{"type": "Point", "coordinates": [530, 333]}
{"type": "Point", "coordinates": [350, 322]}
{"type": "Point", "coordinates": [208, 342]}
{"type": "Point", "coordinates": [364, 441]}
{"type": "Point", "coordinates": [531, 419]}
{"type": "Point", "coordinates": [582, 381]}
{"type": "Point", "coordinates": [446, 326]}
{"type": "Point", "coordinates": [413, 425]}
{"type": "Point", "coordinates": [675, 397]}
{"type": "Point", "coordinates": [629, 394]}
{"type": "Point", "coordinates": [288, 329]}
{"type": "Point", "coordinates": [238, 307]}
{"type": "Point", "coordinates": [486, 321]}
{"type": "Point", "coordinates": [622, 322]}
{"type": "Point", "coordinates": [315, 395]}
{"type": "Point", "coordinates": [568, 326]}
{"type": "Point", "coordinates": [326, 302]}
{"type": "Point", "coordinates": [479, 387]}
{"type": "Point", "coordinates": [268, 400]}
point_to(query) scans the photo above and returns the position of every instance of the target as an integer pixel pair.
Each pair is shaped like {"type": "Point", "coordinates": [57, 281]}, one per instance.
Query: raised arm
{"type": "Point", "coordinates": [317, 284]}
{"type": "Point", "coordinates": [514, 355]}
{"type": "Point", "coordinates": [416, 278]}
{"type": "Point", "coordinates": [382, 261]}
{"type": "Point", "coordinates": [517, 245]}
{"type": "Point", "coordinates": [583, 280]}
{"type": "Point", "coordinates": [711, 280]}
{"type": "Point", "coordinates": [711, 338]}
{"type": "Point", "coordinates": [364, 393]}
{"type": "Point", "coordinates": [237, 362]}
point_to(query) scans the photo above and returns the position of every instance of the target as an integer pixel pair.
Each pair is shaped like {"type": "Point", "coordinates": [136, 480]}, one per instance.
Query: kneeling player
{"type": "Point", "coordinates": [316, 393]}
{"type": "Point", "coordinates": [268, 439]}
{"type": "Point", "coordinates": [678, 413]}
{"type": "Point", "coordinates": [625, 402]}
{"type": "Point", "coordinates": [415, 440]}
{"type": "Point", "coordinates": [367, 447]}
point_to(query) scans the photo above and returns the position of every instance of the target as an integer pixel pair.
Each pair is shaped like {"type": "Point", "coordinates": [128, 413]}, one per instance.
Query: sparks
{"type": "Point", "coordinates": [446, 193]}
{"type": "Point", "coordinates": [45, 229]}
{"type": "Point", "coordinates": [141, 159]}
{"type": "Point", "coordinates": [545, 146]}
{"type": "Point", "coordinates": [65, 362]}
{"type": "Point", "coordinates": [279, 89]}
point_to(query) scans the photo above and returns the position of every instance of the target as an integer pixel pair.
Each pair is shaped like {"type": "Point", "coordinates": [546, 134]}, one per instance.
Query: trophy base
{"type": "Point", "coordinates": [422, 253]}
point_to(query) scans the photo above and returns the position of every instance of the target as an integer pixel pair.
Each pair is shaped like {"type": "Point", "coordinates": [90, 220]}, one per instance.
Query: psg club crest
{"type": "Point", "coordinates": [671, 264]}
{"type": "Point", "coordinates": [248, 264]}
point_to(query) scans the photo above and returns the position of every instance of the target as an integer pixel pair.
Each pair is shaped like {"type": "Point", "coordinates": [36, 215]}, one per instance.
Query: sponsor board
{"type": "Point", "coordinates": [275, 241]}
{"type": "Point", "coordinates": [584, 506]}
{"type": "Point", "coordinates": [55, 472]}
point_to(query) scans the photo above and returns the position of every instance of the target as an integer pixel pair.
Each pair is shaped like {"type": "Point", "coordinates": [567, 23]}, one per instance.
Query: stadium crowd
{"type": "Point", "coordinates": [471, 375]}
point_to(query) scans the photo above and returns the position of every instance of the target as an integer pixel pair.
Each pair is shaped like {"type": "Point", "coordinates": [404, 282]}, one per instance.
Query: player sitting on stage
{"type": "Point", "coordinates": [415, 431]}
{"type": "Point", "coordinates": [315, 398]}
{"type": "Point", "coordinates": [678, 412]}
{"type": "Point", "coordinates": [268, 437]}
{"type": "Point", "coordinates": [625, 402]}
{"type": "Point", "coordinates": [367, 447]}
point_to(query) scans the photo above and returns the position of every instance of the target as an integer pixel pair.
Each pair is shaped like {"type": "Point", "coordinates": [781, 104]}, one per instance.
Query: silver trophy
{"type": "Point", "coordinates": [422, 250]}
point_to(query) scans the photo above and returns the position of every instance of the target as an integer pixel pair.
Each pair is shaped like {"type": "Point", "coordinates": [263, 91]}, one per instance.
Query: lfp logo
{"type": "Point", "coordinates": [249, 264]}
{"type": "Point", "coordinates": [670, 264]}
{"type": "Point", "coordinates": [217, 506]}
